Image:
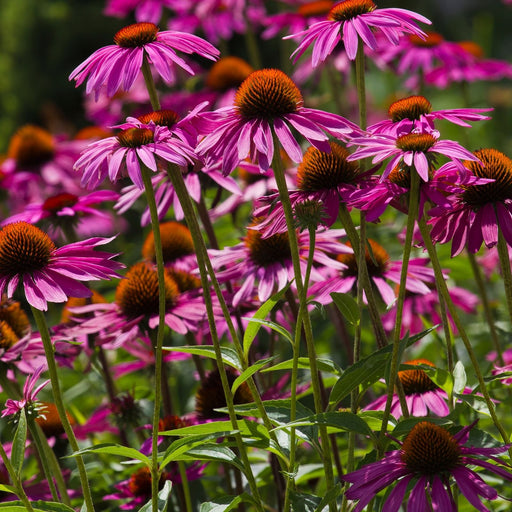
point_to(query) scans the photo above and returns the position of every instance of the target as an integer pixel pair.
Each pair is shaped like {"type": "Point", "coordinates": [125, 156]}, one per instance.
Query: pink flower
{"type": "Point", "coordinates": [267, 98]}
{"type": "Point", "coordinates": [47, 273]}
{"type": "Point", "coordinates": [414, 114]}
{"type": "Point", "coordinates": [327, 178]}
{"type": "Point", "coordinates": [353, 19]}
{"type": "Point", "coordinates": [375, 194]}
{"type": "Point", "coordinates": [421, 394]}
{"type": "Point", "coordinates": [477, 213]}
{"type": "Point", "coordinates": [137, 143]}
{"type": "Point", "coordinates": [428, 457]}
{"type": "Point", "coordinates": [135, 309]}
{"type": "Point", "coordinates": [381, 269]}
{"type": "Point", "coordinates": [68, 210]}
{"type": "Point", "coordinates": [145, 10]}
{"type": "Point", "coordinates": [28, 401]}
{"type": "Point", "coordinates": [470, 66]}
{"type": "Point", "coordinates": [414, 149]}
{"type": "Point", "coordinates": [264, 265]}
{"type": "Point", "coordinates": [119, 65]}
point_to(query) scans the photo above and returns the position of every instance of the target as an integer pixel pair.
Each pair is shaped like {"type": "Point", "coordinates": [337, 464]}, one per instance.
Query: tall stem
{"type": "Point", "coordinates": [290, 483]}
{"type": "Point", "coordinates": [425, 233]}
{"type": "Point", "coordinates": [505, 269]}
{"type": "Point", "coordinates": [482, 292]}
{"type": "Point", "coordinates": [57, 395]}
{"type": "Point", "coordinates": [277, 166]}
{"type": "Point", "coordinates": [150, 84]}
{"type": "Point", "coordinates": [155, 226]}
{"type": "Point", "coordinates": [360, 83]}
{"type": "Point", "coordinates": [355, 240]}
{"type": "Point", "coordinates": [206, 272]}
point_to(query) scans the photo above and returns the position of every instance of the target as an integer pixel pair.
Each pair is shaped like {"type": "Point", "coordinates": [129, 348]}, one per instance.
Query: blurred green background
{"type": "Point", "coordinates": [42, 41]}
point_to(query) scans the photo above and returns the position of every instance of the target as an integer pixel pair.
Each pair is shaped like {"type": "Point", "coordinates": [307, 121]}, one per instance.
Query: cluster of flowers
{"type": "Point", "coordinates": [232, 143]}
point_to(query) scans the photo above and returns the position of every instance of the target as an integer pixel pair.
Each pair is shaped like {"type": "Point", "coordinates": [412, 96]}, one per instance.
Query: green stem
{"type": "Point", "coordinates": [482, 292]}
{"type": "Point", "coordinates": [150, 84]}
{"type": "Point", "coordinates": [277, 166]}
{"type": "Point", "coordinates": [414, 196]}
{"type": "Point", "coordinates": [155, 226]}
{"type": "Point", "coordinates": [206, 271]}
{"type": "Point", "coordinates": [360, 83]}
{"type": "Point", "coordinates": [425, 233]}
{"type": "Point", "coordinates": [15, 480]}
{"type": "Point", "coordinates": [353, 236]}
{"type": "Point", "coordinates": [290, 482]}
{"type": "Point", "coordinates": [252, 46]}
{"type": "Point", "coordinates": [54, 378]}
{"type": "Point", "coordinates": [186, 488]}
{"type": "Point", "coordinates": [505, 269]}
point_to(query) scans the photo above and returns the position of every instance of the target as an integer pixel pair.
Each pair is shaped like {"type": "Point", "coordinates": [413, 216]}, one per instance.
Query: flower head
{"type": "Point", "coordinates": [137, 143]}
{"type": "Point", "coordinates": [326, 178]}
{"type": "Point", "coordinates": [119, 65]}
{"type": "Point", "coordinates": [479, 211]}
{"type": "Point", "coordinates": [415, 114]}
{"type": "Point", "coordinates": [414, 149]}
{"type": "Point", "coordinates": [267, 101]}
{"type": "Point", "coordinates": [350, 20]}
{"type": "Point", "coordinates": [380, 268]}
{"type": "Point", "coordinates": [28, 402]}
{"type": "Point", "coordinates": [429, 457]}
{"type": "Point", "coordinates": [47, 273]}
{"type": "Point", "coordinates": [421, 394]}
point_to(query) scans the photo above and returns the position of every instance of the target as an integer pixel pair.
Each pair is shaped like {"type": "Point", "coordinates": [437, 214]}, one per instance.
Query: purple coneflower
{"type": "Point", "coordinates": [470, 66]}
{"type": "Point", "coordinates": [375, 194]}
{"type": "Point", "coordinates": [135, 309]}
{"type": "Point", "coordinates": [327, 178]}
{"type": "Point", "coordinates": [380, 268]}
{"type": "Point", "coordinates": [478, 213]}
{"type": "Point", "coordinates": [28, 402]}
{"type": "Point", "coordinates": [429, 456]}
{"type": "Point", "coordinates": [136, 143]}
{"type": "Point", "coordinates": [119, 65]}
{"type": "Point", "coordinates": [47, 273]}
{"type": "Point", "coordinates": [353, 19]}
{"type": "Point", "coordinates": [421, 394]}
{"type": "Point", "coordinates": [66, 210]}
{"type": "Point", "coordinates": [418, 149]}
{"type": "Point", "coordinates": [414, 114]}
{"type": "Point", "coordinates": [266, 263]}
{"type": "Point", "coordinates": [267, 101]}
{"type": "Point", "coordinates": [144, 10]}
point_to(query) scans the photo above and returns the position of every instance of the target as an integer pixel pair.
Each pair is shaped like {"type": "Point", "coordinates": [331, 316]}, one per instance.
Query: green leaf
{"type": "Point", "coordinates": [115, 449]}
{"type": "Point", "coordinates": [347, 421]}
{"type": "Point", "coordinates": [7, 488]}
{"type": "Point", "coordinates": [229, 355]}
{"type": "Point", "coordinates": [163, 499]}
{"type": "Point", "coordinates": [475, 402]}
{"type": "Point", "coordinates": [215, 452]}
{"type": "Point", "coordinates": [324, 365]}
{"type": "Point", "coordinates": [249, 372]}
{"type": "Point", "coordinates": [459, 378]}
{"type": "Point", "coordinates": [225, 503]}
{"type": "Point", "coordinates": [302, 502]}
{"type": "Point", "coordinates": [368, 370]}
{"type": "Point", "coordinates": [220, 429]}
{"type": "Point", "coordinates": [329, 497]}
{"type": "Point", "coordinates": [274, 326]}
{"type": "Point", "coordinates": [254, 326]}
{"type": "Point", "coordinates": [38, 506]}
{"type": "Point", "coordinates": [18, 444]}
{"type": "Point", "coordinates": [181, 446]}
{"type": "Point", "coordinates": [406, 425]}
{"type": "Point", "coordinates": [348, 307]}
